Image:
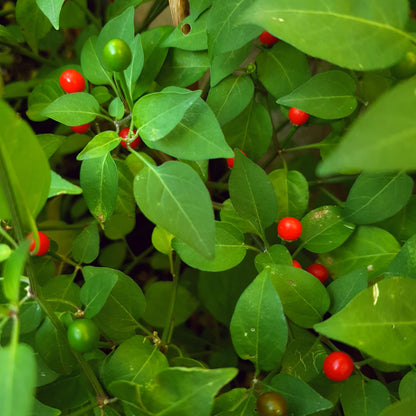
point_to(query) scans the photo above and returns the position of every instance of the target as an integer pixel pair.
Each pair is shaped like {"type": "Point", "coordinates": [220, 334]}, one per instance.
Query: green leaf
{"type": "Point", "coordinates": [276, 254]}
{"type": "Point", "coordinates": [39, 409]}
{"type": "Point", "coordinates": [91, 64]}
{"type": "Point", "coordinates": [117, 319]}
{"type": "Point", "coordinates": [73, 109]}
{"type": "Point", "coordinates": [116, 108]}
{"type": "Point", "coordinates": [173, 197]}
{"type": "Point", "coordinates": [360, 397]}
{"type": "Point", "coordinates": [230, 97]}
{"type": "Point", "coordinates": [219, 292]}
{"type": "Point", "coordinates": [183, 68]}
{"type": "Point", "coordinates": [86, 246]}
{"type": "Point", "coordinates": [304, 297]}
{"type": "Point", "coordinates": [42, 95]}
{"type": "Point", "coordinates": [301, 399]}
{"type": "Point", "coordinates": [324, 229]}
{"type": "Point", "coordinates": [258, 326]}
{"type": "Point", "coordinates": [59, 288]}
{"type": "Point", "coordinates": [224, 64]}
{"type": "Point", "coordinates": [17, 380]}
{"type": "Point", "coordinates": [285, 63]}
{"type": "Point", "coordinates": [53, 348]}
{"type": "Point", "coordinates": [197, 136]}
{"type": "Point", "coordinates": [60, 186]}
{"type": "Point", "coordinates": [230, 215]}
{"type": "Point", "coordinates": [134, 70]}
{"type": "Point", "coordinates": [155, 115]}
{"type": "Point", "coordinates": [369, 247]}
{"type": "Point", "coordinates": [251, 193]}
{"type": "Point", "coordinates": [327, 95]}
{"type": "Point", "coordinates": [27, 168]}
{"type": "Point", "coordinates": [5, 252]}
{"type": "Point", "coordinates": [404, 264]}
{"type": "Point", "coordinates": [388, 128]}
{"type": "Point", "coordinates": [51, 9]}
{"type": "Point", "coordinates": [100, 145]}
{"type": "Point", "coordinates": [407, 386]}
{"type": "Point", "coordinates": [230, 250]}
{"type": "Point", "coordinates": [292, 193]}
{"type": "Point", "coordinates": [13, 271]}
{"type": "Point", "coordinates": [180, 391]}
{"type": "Point", "coordinates": [99, 183]}
{"type": "Point", "coordinates": [402, 408]}
{"type": "Point", "coordinates": [33, 23]}
{"type": "Point", "coordinates": [190, 34]}
{"type": "Point", "coordinates": [224, 32]}
{"type": "Point", "coordinates": [383, 314]}
{"type": "Point", "coordinates": [345, 288]}
{"type": "Point", "coordinates": [158, 296]}
{"type": "Point", "coordinates": [96, 290]}
{"type": "Point", "coordinates": [250, 131]}
{"type": "Point", "coordinates": [136, 360]}
{"type": "Point", "coordinates": [377, 196]}
{"type": "Point", "coordinates": [360, 36]}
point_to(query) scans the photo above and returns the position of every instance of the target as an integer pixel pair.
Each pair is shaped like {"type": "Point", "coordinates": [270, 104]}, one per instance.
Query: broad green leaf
{"type": "Point", "coordinates": [35, 24]}
{"type": "Point", "coordinates": [5, 252]}
{"type": "Point", "coordinates": [404, 264]}
{"type": "Point", "coordinates": [73, 109]}
{"type": "Point", "coordinates": [158, 297]}
{"type": "Point", "coordinates": [182, 68]}
{"type": "Point", "coordinates": [162, 240]}
{"type": "Point", "coordinates": [91, 64]}
{"type": "Point", "coordinates": [51, 9]}
{"type": "Point", "coordinates": [325, 229]}
{"type": "Point", "coordinates": [59, 288]}
{"type": "Point", "coordinates": [369, 247]}
{"type": "Point", "coordinates": [155, 115]}
{"type": "Point", "coordinates": [345, 288]}
{"type": "Point", "coordinates": [134, 70]}
{"type": "Point", "coordinates": [304, 297]}
{"type": "Point", "coordinates": [230, 215]}
{"type": "Point", "coordinates": [17, 380]}
{"type": "Point", "coordinates": [219, 292]}
{"type": "Point", "coordinates": [42, 95]}
{"type": "Point", "coordinates": [276, 254]}
{"type": "Point", "coordinates": [60, 186]}
{"type": "Point", "coordinates": [360, 36]}
{"type": "Point", "coordinates": [301, 399]}
{"type": "Point", "coordinates": [377, 196]}
{"type": "Point", "coordinates": [250, 131]}
{"type": "Point", "coordinates": [39, 409]}
{"type": "Point", "coordinates": [100, 145]}
{"type": "Point", "coordinates": [190, 34]}
{"type": "Point", "coordinates": [401, 408]}
{"type": "Point", "coordinates": [180, 391]}
{"type": "Point", "coordinates": [251, 193]}
{"type": "Point", "coordinates": [304, 357]}
{"type": "Point", "coordinates": [327, 95]}
{"type": "Point", "coordinates": [96, 290]}
{"type": "Point", "coordinates": [117, 319]}
{"type": "Point", "coordinates": [230, 97]}
{"type": "Point", "coordinates": [101, 93]}
{"type": "Point", "coordinates": [225, 33]}
{"type": "Point", "coordinates": [407, 386]}
{"type": "Point", "coordinates": [86, 246]}
{"type": "Point", "coordinates": [12, 272]}
{"type": "Point", "coordinates": [258, 326]}
{"type": "Point", "coordinates": [53, 348]}
{"type": "Point", "coordinates": [136, 360]}
{"type": "Point", "coordinates": [154, 56]}
{"type": "Point", "coordinates": [226, 63]}
{"type": "Point", "coordinates": [292, 193]}
{"type": "Point", "coordinates": [197, 136]}
{"type": "Point", "coordinates": [116, 108]}
{"type": "Point", "coordinates": [27, 169]}
{"type": "Point", "coordinates": [99, 183]}
{"type": "Point", "coordinates": [50, 143]}
{"type": "Point", "coordinates": [360, 397]}
{"type": "Point", "coordinates": [383, 314]}
{"type": "Point", "coordinates": [285, 63]}
{"type": "Point", "coordinates": [389, 131]}
{"type": "Point", "coordinates": [173, 197]}
{"type": "Point", "coordinates": [230, 250]}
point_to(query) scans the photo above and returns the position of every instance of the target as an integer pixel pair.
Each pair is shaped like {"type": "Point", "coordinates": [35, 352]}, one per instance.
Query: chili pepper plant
{"type": "Point", "coordinates": [143, 275]}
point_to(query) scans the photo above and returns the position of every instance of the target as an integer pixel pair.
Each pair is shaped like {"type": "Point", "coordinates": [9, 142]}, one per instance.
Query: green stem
{"type": "Point", "coordinates": [289, 137]}
{"type": "Point", "coordinates": [256, 249]}
{"type": "Point", "coordinates": [333, 197]}
{"type": "Point", "coordinates": [7, 237]}
{"type": "Point", "coordinates": [138, 259]}
{"type": "Point", "coordinates": [26, 52]}
{"type": "Point", "coordinates": [168, 329]}
{"type": "Point", "coordinates": [125, 89]}
{"type": "Point", "coordinates": [307, 146]}
{"type": "Point", "coordinates": [144, 329]}
{"type": "Point", "coordinates": [217, 185]}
